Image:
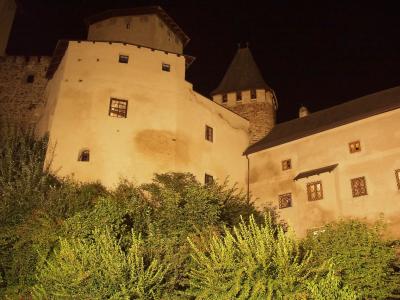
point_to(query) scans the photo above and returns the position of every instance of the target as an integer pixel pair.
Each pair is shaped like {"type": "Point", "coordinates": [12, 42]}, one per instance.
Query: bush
{"type": "Point", "coordinates": [360, 256]}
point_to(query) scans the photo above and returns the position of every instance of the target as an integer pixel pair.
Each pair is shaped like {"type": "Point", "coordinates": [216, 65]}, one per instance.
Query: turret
{"type": "Point", "coordinates": [244, 91]}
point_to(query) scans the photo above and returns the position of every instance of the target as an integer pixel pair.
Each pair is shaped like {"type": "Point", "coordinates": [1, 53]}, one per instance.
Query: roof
{"type": "Point", "coordinates": [242, 74]}
{"type": "Point", "coordinates": [62, 46]}
{"type": "Point", "coordinates": [316, 172]}
{"type": "Point", "coordinates": [146, 10]}
{"type": "Point", "coordinates": [326, 119]}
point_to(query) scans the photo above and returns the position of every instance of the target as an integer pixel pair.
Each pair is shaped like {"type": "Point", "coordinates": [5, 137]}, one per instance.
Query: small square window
{"type": "Point", "coordinates": [253, 94]}
{"type": "Point", "coordinates": [314, 191]}
{"type": "Point", "coordinates": [285, 200]}
{"type": "Point", "coordinates": [166, 67]}
{"type": "Point", "coordinates": [128, 25]}
{"type": "Point", "coordinates": [118, 108]}
{"type": "Point", "coordinates": [123, 59]}
{"type": "Point", "coordinates": [358, 186]}
{"type": "Point", "coordinates": [30, 78]}
{"type": "Point", "coordinates": [224, 98]}
{"type": "Point", "coordinates": [84, 155]}
{"type": "Point", "coordinates": [209, 134]}
{"type": "Point", "coordinates": [286, 164]}
{"type": "Point", "coordinates": [208, 179]}
{"type": "Point", "coordinates": [354, 147]}
{"type": "Point", "coordinates": [397, 173]}
{"type": "Point", "coordinates": [238, 96]}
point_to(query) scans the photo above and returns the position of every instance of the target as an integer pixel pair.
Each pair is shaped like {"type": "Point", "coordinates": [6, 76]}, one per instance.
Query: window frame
{"type": "Point", "coordinates": [209, 133]}
{"type": "Point", "coordinates": [208, 179]}
{"type": "Point", "coordinates": [123, 59]}
{"type": "Point", "coordinates": [84, 155]}
{"type": "Point", "coordinates": [355, 146]}
{"type": "Point", "coordinates": [165, 67]}
{"type": "Point", "coordinates": [117, 112]}
{"type": "Point", "coordinates": [354, 191]}
{"type": "Point", "coordinates": [284, 164]}
{"type": "Point", "coordinates": [253, 94]}
{"type": "Point", "coordinates": [239, 96]}
{"type": "Point", "coordinates": [309, 191]}
{"type": "Point", "coordinates": [285, 200]}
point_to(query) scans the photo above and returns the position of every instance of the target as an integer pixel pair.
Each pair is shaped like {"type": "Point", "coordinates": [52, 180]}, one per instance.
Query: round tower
{"type": "Point", "coordinates": [244, 91]}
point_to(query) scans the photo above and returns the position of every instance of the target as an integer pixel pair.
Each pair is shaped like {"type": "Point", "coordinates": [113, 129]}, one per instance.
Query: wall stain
{"type": "Point", "coordinates": [155, 143]}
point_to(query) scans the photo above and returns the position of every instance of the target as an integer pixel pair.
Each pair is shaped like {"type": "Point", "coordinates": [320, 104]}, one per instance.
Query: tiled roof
{"type": "Point", "coordinates": [242, 74]}
{"type": "Point", "coordinates": [326, 119]}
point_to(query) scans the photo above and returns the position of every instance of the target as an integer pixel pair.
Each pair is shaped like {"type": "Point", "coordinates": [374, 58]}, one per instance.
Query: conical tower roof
{"type": "Point", "coordinates": [242, 74]}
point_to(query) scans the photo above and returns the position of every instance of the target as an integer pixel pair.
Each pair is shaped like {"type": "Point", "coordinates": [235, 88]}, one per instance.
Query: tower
{"type": "Point", "coordinates": [244, 91]}
{"type": "Point", "coordinates": [7, 13]}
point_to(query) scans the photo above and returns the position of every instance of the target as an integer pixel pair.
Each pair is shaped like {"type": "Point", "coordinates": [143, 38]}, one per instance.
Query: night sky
{"type": "Point", "coordinates": [310, 52]}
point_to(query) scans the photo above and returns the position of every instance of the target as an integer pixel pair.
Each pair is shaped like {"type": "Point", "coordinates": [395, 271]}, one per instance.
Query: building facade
{"type": "Point", "coordinates": [117, 106]}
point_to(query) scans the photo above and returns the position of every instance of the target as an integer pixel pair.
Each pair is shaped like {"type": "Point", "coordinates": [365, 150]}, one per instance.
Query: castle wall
{"type": "Point", "coordinates": [145, 30]}
{"type": "Point", "coordinates": [21, 101]}
{"type": "Point", "coordinates": [260, 111]}
{"type": "Point", "coordinates": [148, 140]}
{"type": "Point", "coordinates": [377, 161]}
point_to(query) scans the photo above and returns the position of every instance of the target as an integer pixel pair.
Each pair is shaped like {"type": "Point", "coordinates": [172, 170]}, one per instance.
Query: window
{"type": "Point", "coordinates": [253, 94]}
{"type": "Point", "coordinates": [224, 98]}
{"type": "Point", "coordinates": [128, 25]}
{"type": "Point", "coordinates": [123, 59]}
{"type": "Point", "coordinates": [208, 179]}
{"type": "Point", "coordinates": [358, 186]}
{"type": "Point", "coordinates": [209, 134]}
{"type": "Point", "coordinates": [314, 191]}
{"type": "Point", "coordinates": [285, 200]}
{"type": "Point", "coordinates": [84, 155]}
{"type": "Point", "coordinates": [397, 172]}
{"type": "Point", "coordinates": [118, 108]}
{"type": "Point", "coordinates": [166, 67]}
{"type": "Point", "coordinates": [286, 164]}
{"type": "Point", "coordinates": [354, 147]}
{"type": "Point", "coordinates": [238, 96]}
{"type": "Point", "coordinates": [30, 78]}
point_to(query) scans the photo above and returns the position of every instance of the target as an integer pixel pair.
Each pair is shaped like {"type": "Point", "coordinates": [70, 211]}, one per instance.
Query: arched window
{"type": "Point", "coordinates": [84, 155]}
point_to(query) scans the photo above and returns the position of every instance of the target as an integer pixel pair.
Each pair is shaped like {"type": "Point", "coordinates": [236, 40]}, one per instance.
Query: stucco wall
{"type": "Point", "coordinates": [148, 140]}
{"type": "Point", "coordinates": [145, 30]}
{"type": "Point", "coordinates": [21, 101]}
{"type": "Point", "coordinates": [377, 161]}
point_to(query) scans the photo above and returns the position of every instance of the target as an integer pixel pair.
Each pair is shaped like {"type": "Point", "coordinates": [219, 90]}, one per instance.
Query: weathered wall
{"type": "Point", "coordinates": [7, 12]}
{"type": "Point", "coordinates": [19, 100]}
{"type": "Point", "coordinates": [145, 30]}
{"type": "Point", "coordinates": [164, 128]}
{"type": "Point", "coordinates": [377, 161]}
{"type": "Point", "coordinates": [261, 111]}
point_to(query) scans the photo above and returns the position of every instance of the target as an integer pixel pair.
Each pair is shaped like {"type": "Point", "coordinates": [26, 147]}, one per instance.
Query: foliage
{"type": "Point", "coordinates": [361, 257]}
{"type": "Point", "coordinates": [99, 269]}
{"type": "Point", "coordinates": [254, 262]}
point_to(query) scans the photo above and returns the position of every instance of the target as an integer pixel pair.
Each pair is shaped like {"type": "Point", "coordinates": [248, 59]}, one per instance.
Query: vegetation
{"type": "Point", "coordinates": [172, 238]}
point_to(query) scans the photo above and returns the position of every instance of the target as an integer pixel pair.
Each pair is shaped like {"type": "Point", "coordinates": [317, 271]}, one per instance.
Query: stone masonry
{"type": "Point", "coordinates": [22, 85]}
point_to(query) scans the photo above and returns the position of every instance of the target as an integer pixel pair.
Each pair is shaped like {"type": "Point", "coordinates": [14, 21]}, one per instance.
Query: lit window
{"type": "Point", "coordinates": [286, 164]}
{"type": "Point", "coordinates": [314, 191]}
{"type": "Point", "coordinates": [208, 179]}
{"type": "Point", "coordinates": [30, 78]}
{"type": "Point", "coordinates": [209, 133]}
{"type": "Point", "coordinates": [285, 200]}
{"type": "Point", "coordinates": [118, 108]}
{"type": "Point", "coordinates": [84, 155]}
{"type": "Point", "coordinates": [358, 186]}
{"type": "Point", "coordinates": [397, 172]}
{"type": "Point", "coordinates": [166, 67]}
{"type": "Point", "coordinates": [354, 146]}
{"type": "Point", "coordinates": [238, 96]}
{"type": "Point", "coordinates": [123, 59]}
{"type": "Point", "coordinates": [224, 98]}
{"type": "Point", "coordinates": [253, 94]}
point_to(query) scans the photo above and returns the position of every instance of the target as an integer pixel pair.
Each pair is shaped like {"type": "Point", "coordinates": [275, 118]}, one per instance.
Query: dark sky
{"type": "Point", "coordinates": [310, 52]}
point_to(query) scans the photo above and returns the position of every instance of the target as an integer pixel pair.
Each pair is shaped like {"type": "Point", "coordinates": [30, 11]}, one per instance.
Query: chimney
{"type": "Point", "coordinates": [303, 112]}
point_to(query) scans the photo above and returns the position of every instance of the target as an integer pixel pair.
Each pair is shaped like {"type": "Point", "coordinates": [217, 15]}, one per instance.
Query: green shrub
{"type": "Point", "coordinates": [360, 256]}
{"type": "Point", "coordinates": [99, 269]}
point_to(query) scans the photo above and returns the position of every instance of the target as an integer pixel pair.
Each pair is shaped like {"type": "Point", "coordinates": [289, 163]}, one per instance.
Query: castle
{"type": "Point", "coordinates": [117, 106]}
